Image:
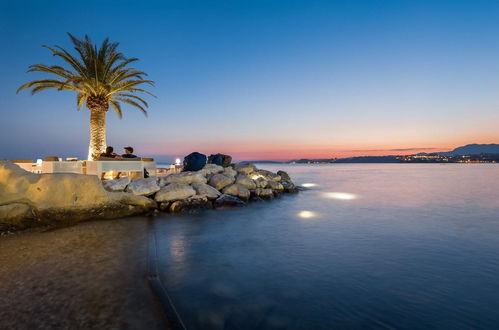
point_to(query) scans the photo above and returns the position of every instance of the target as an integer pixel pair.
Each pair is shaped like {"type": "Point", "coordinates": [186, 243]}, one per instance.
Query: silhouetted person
{"type": "Point", "coordinates": [128, 153]}
{"type": "Point", "coordinates": [109, 153]}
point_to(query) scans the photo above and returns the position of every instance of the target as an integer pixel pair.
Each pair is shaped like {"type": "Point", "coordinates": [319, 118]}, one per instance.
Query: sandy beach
{"type": "Point", "coordinates": [88, 276]}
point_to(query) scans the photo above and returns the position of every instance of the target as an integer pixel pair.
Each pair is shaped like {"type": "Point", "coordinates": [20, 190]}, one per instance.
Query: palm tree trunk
{"type": "Point", "coordinates": [97, 133]}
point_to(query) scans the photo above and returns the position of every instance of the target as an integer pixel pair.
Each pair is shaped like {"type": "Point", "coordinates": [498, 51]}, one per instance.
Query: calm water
{"type": "Point", "coordinates": [412, 246]}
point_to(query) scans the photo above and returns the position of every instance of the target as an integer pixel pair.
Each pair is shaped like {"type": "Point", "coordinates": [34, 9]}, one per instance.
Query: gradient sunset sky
{"type": "Point", "coordinates": [264, 79]}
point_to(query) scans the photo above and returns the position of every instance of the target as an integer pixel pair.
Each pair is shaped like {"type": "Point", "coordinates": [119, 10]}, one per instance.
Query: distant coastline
{"type": "Point", "coordinates": [471, 153]}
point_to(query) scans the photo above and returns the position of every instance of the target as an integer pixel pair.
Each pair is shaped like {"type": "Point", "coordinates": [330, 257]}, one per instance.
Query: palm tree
{"type": "Point", "coordinates": [100, 77]}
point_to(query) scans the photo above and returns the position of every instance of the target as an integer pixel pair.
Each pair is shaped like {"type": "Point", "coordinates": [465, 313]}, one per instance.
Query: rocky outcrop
{"type": "Point", "coordinates": [227, 201]}
{"type": "Point", "coordinates": [237, 191]}
{"type": "Point", "coordinates": [143, 187]}
{"type": "Point", "coordinates": [184, 177]}
{"type": "Point", "coordinates": [28, 199]}
{"type": "Point", "coordinates": [174, 192]}
{"type": "Point", "coordinates": [203, 189]}
{"type": "Point", "coordinates": [219, 181]}
{"type": "Point", "coordinates": [116, 185]}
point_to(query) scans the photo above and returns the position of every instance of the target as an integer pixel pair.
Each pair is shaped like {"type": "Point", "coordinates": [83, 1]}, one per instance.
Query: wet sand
{"type": "Point", "coordinates": [89, 276]}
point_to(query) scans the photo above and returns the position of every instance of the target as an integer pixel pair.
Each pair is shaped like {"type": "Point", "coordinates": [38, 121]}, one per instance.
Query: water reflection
{"type": "Point", "coordinates": [340, 195]}
{"type": "Point", "coordinates": [309, 185]}
{"type": "Point", "coordinates": [307, 214]}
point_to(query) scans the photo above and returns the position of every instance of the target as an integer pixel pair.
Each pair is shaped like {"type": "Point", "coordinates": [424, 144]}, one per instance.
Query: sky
{"type": "Point", "coordinates": [255, 79]}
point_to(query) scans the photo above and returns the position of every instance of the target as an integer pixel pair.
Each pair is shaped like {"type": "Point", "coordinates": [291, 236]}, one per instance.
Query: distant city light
{"type": "Point", "coordinates": [307, 214]}
{"type": "Point", "coordinates": [177, 161]}
{"type": "Point", "coordinates": [309, 185]}
{"type": "Point", "coordinates": [39, 162]}
{"type": "Point", "coordinates": [340, 195]}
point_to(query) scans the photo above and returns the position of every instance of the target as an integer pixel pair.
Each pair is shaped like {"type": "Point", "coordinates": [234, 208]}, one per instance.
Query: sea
{"type": "Point", "coordinates": [366, 246]}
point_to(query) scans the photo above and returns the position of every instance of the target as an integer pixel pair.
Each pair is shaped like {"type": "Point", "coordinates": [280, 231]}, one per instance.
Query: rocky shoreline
{"type": "Point", "coordinates": [28, 200]}
{"type": "Point", "coordinates": [213, 186]}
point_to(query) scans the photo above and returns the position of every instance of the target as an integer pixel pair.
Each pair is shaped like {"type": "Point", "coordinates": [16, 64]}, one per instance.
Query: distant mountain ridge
{"type": "Point", "coordinates": [472, 149]}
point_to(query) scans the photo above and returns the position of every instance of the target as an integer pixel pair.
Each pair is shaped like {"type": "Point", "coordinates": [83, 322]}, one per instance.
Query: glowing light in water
{"type": "Point", "coordinates": [340, 195]}
{"type": "Point", "coordinates": [309, 185]}
{"type": "Point", "coordinates": [307, 214]}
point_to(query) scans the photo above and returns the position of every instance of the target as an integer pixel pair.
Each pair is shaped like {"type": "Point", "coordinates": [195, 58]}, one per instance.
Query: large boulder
{"type": "Point", "coordinates": [192, 204]}
{"type": "Point", "coordinates": [265, 193]}
{"type": "Point", "coordinates": [219, 181]}
{"type": "Point", "coordinates": [238, 191]}
{"type": "Point", "coordinates": [216, 159]}
{"type": "Point", "coordinates": [174, 192]}
{"type": "Point", "coordinates": [211, 169]}
{"type": "Point", "coordinates": [245, 181]}
{"type": "Point", "coordinates": [184, 177]}
{"type": "Point", "coordinates": [143, 187]}
{"type": "Point", "coordinates": [289, 186]}
{"type": "Point", "coordinates": [267, 175]}
{"type": "Point", "coordinates": [275, 186]}
{"type": "Point", "coordinates": [203, 189]}
{"type": "Point", "coordinates": [116, 185]}
{"type": "Point", "coordinates": [284, 175]}
{"type": "Point", "coordinates": [226, 201]}
{"type": "Point", "coordinates": [226, 160]}
{"type": "Point", "coordinates": [261, 182]}
{"type": "Point", "coordinates": [194, 161]}
{"type": "Point", "coordinates": [29, 199]}
{"type": "Point", "coordinates": [245, 168]}
{"type": "Point", "coordinates": [229, 171]}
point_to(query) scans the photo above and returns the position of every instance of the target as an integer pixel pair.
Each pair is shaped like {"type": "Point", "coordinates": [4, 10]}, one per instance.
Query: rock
{"type": "Point", "coordinates": [165, 206]}
{"type": "Point", "coordinates": [219, 181]}
{"type": "Point", "coordinates": [289, 186]}
{"type": "Point", "coordinates": [215, 159]}
{"type": "Point", "coordinates": [261, 182]}
{"type": "Point", "coordinates": [255, 199]}
{"type": "Point", "coordinates": [229, 171]}
{"type": "Point", "coordinates": [174, 192]}
{"type": "Point", "coordinates": [194, 161]}
{"type": "Point", "coordinates": [116, 185]}
{"type": "Point", "coordinates": [238, 191]}
{"type": "Point", "coordinates": [245, 168]}
{"type": "Point", "coordinates": [191, 205]}
{"type": "Point", "coordinates": [203, 189]}
{"type": "Point", "coordinates": [226, 160]}
{"type": "Point", "coordinates": [245, 181]}
{"type": "Point", "coordinates": [143, 187]}
{"type": "Point", "coordinates": [275, 186]}
{"type": "Point", "coordinates": [19, 214]}
{"type": "Point", "coordinates": [265, 193]}
{"type": "Point", "coordinates": [184, 177]}
{"type": "Point", "coordinates": [225, 201]}
{"type": "Point", "coordinates": [284, 175]}
{"type": "Point", "coordinates": [267, 175]}
{"type": "Point", "coordinates": [209, 169]}
{"type": "Point", "coordinates": [60, 198]}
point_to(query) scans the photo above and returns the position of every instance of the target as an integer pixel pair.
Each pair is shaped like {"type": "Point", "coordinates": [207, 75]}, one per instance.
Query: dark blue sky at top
{"type": "Point", "coordinates": [263, 79]}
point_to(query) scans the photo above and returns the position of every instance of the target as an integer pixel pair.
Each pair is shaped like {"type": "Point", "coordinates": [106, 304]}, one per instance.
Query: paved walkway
{"type": "Point", "coordinates": [89, 276]}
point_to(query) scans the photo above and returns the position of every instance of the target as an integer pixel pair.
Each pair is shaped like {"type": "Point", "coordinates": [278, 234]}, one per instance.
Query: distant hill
{"type": "Point", "coordinates": [472, 149]}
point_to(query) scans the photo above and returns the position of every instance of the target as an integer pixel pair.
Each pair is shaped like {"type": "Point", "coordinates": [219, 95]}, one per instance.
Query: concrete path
{"type": "Point", "coordinates": [89, 276]}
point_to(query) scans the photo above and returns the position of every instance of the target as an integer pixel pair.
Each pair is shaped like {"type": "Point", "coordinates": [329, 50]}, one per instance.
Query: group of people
{"type": "Point", "coordinates": [128, 154]}
{"type": "Point", "coordinates": [111, 154]}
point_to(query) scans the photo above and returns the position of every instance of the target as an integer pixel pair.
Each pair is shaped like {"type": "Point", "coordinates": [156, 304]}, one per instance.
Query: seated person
{"type": "Point", "coordinates": [109, 153]}
{"type": "Point", "coordinates": [128, 153]}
